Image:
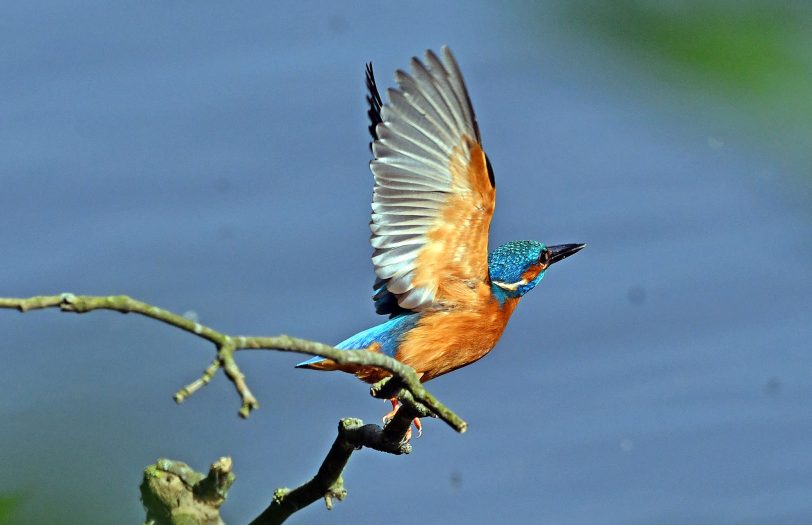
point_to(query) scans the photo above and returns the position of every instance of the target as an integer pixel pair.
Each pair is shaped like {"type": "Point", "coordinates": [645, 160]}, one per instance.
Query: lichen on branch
{"type": "Point", "coordinates": [174, 494]}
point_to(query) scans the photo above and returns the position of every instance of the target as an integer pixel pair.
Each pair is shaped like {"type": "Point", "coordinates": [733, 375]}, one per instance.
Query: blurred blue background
{"type": "Point", "coordinates": [211, 157]}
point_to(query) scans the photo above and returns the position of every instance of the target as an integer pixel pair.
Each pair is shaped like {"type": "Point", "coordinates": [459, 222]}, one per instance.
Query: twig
{"type": "Point", "coordinates": [404, 373]}
{"type": "Point", "coordinates": [227, 345]}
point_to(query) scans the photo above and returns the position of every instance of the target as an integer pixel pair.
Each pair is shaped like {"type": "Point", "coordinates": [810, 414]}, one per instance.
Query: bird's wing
{"type": "Point", "coordinates": [434, 188]}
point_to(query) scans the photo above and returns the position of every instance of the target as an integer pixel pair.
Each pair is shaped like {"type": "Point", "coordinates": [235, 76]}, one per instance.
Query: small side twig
{"type": "Point", "coordinates": [208, 374]}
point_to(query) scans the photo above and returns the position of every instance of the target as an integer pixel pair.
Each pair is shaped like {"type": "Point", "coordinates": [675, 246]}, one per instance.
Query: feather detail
{"type": "Point", "coordinates": [433, 196]}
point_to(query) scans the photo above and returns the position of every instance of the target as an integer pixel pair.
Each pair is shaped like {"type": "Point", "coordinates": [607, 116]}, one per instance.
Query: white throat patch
{"type": "Point", "coordinates": [510, 286]}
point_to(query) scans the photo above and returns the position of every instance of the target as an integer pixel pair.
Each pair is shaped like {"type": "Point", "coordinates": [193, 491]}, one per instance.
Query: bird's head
{"type": "Point", "coordinates": [517, 267]}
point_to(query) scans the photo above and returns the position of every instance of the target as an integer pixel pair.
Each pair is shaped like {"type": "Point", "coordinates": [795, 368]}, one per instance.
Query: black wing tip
{"type": "Point", "coordinates": [373, 101]}
{"type": "Point", "coordinates": [372, 86]}
{"type": "Point", "coordinates": [391, 308]}
{"type": "Point", "coordinates": [431, 54]}
{"type": "Point", "coordinates": [386, 303]}
{"type": "Point", "coordinates": [453, 68]}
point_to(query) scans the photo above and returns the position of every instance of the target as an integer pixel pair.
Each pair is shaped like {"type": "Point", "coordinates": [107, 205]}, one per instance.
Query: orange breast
{"type": "Point", "coordinates": [443, 341]}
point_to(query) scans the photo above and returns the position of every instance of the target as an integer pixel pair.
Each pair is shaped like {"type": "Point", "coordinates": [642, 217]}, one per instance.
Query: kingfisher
{"type": "Point", "coordinates": [448, 299]}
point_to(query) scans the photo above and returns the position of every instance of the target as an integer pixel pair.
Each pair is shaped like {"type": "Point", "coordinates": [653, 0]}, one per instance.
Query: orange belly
{"type": "Point", "coordinates": [443, 341]}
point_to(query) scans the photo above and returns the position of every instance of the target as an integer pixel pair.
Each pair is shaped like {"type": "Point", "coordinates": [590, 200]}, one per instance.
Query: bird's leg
{"type": "Point", "coordinates": [416, 422]}
{"type": "Point", "coordinates": [391, 415]}
{"type": "Point", "coordinates": [418, 425]}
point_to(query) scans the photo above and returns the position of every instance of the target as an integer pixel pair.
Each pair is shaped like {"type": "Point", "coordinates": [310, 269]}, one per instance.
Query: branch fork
{"type": "Point", "coordinates": [403, 384]}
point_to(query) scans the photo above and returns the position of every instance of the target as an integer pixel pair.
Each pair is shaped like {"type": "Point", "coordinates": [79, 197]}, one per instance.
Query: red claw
{"type": "Point", "coordinates": [390, 415]}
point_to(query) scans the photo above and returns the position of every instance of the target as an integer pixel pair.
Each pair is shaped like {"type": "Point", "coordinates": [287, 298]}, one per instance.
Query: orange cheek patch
{"type": "Point", "coordinates": [532, 272]}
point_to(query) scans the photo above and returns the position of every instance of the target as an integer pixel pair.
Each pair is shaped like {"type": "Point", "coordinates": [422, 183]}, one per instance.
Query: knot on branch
{"type": "Point", "coordinates": [66, 301]}
{"type": "Point", "coordinates": [173, 493]}
{"type": "Point", "coordinates": [80, 304]}
{"type": "Point", "coordinates": [357, 435]}
{"type": "Point", "coordinates": [213, 489]}
{"type": "Point", "coordinates": [279, 495]}
{"type": "Point", "coordinates": [387, 388]}
{"type": "Point", "coordinates": [392, 388]}
{"type": "Point", "coordinates": [337, 491]}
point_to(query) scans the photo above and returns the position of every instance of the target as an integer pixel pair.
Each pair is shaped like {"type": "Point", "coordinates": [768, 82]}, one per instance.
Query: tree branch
{"type": "Point", "coordinates": [352, 435]}
{"type": "Point", "coordinates": [227, 345]}
{"type": "Point", "coordinates": [172, 491]}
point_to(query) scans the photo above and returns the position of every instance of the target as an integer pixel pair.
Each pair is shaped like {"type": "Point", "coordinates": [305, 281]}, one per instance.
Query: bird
{"type": "Point", "coordinates": [447, 298]}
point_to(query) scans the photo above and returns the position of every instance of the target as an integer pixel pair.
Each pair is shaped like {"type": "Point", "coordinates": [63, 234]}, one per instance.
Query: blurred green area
{"type": "Point", "coordinates": [8, 504]}
{"type": "Point", "coordinates": [755, 56]}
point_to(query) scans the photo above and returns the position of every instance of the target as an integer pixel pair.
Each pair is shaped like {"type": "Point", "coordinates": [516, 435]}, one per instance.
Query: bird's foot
{"type": "Point", "coordinates": [418, 425]}
{"type": "Point", "coordinates": [391, 415]}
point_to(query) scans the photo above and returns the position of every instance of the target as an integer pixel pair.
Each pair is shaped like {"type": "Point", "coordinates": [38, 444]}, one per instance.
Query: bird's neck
{"type": "Point", "coordinates": [503, 296]}
{"type": "Point", "coordinates": [506, 301]}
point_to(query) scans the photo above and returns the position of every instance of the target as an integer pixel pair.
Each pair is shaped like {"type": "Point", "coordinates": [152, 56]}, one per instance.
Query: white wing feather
{"type": "Point", "coordinates": [422, 123]}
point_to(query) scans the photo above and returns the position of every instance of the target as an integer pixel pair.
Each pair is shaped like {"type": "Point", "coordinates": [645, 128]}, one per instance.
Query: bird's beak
{"type": "Point", "coordinates": [562, 251]}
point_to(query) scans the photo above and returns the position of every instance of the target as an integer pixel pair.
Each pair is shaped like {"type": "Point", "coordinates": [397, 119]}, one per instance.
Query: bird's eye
{"type": "Point", "coordinates": [544, 257]}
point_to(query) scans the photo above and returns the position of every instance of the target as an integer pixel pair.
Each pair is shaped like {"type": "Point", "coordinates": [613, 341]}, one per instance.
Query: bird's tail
{"type": "Point", "coordinates": [318, 363]}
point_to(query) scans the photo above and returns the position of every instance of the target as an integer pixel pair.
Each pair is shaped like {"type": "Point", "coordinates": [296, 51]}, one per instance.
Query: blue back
{"type": "Point", "coordinates": [387, 335]}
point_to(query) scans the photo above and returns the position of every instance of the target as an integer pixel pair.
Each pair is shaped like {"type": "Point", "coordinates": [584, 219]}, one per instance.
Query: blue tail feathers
{"type": "Point", "coordinates": [388, 335]}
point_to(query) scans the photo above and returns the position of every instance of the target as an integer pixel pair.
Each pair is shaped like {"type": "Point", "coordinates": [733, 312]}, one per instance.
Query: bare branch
{"type": "Point", "coordinates": [405, 374]}
{"type": "Point", "coordinates": [327, 484]}
{"type": "Point", "coordinates": [194, 494]}
{"type": "Point", "coordinates": [227, 345]}
{"type": "Point", "coordinates": [198, 383]}
{"type": "Point", "coordinates": [353, 434]}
